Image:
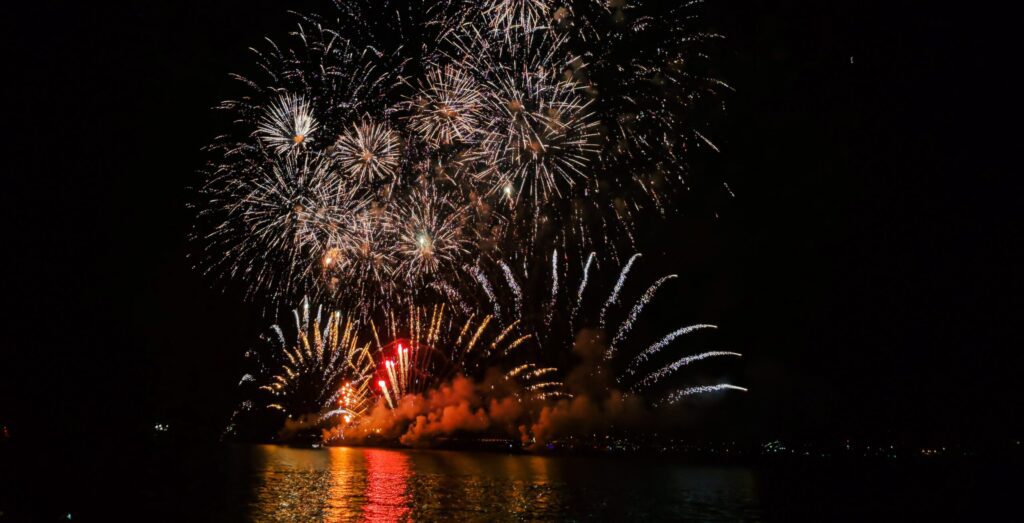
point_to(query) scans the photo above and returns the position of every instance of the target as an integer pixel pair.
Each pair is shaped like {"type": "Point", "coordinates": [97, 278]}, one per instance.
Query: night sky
{"type": "Point", "coordinates": [868, 267]}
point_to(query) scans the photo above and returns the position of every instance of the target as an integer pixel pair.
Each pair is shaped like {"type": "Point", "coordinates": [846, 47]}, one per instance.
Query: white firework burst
{"type": "Point", "coordinates": [447, 107]}
{"type": "Point", "coordinates": [367, 258]}
{"type": "Point", "coordinates": [287, 124]}
{"type": "Point", "coordinates": [540, 133]}
{"type": "Point", "coordinates": [506, 16]}
{"type": "Point", "coordinates": [275, 220]}
{"type": "Point", "coordinates": [432, 233]}
{"type": "Point", "coordinates": [368, 152]}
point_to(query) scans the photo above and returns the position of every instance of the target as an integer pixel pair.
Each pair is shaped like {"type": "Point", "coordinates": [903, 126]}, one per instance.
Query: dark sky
{"type": "Point", "coordinates": [868, 267]}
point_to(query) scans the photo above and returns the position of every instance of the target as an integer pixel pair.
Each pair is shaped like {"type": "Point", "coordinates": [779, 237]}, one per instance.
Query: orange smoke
{"type": "Point", "coordinates": [496, 407]}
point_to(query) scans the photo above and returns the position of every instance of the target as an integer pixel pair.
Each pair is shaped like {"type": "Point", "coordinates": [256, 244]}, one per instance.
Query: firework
{"type": "Point", "coordinates": [700, 389]}
{"type": "Point", "coordinates": [368, 152]}
{"type": "Point", "coordinates": [392, 162]}
{"type": "Point", "coordinates": [287, 124]}
{"type": "Point", "coordinates": [336, 365]}
{"type": "Point", "coordinates": [657, 96]}
{"type": "Point", "coordinates": [364, 262]}
{"type": "Point", "coordinates": [431, 234]}
{"type": "Point", "coordinates": [506, 16]}
{"type": "Point", "coordinates": [447, 107]}
{"type": "Point", "coordinates": [322, 373]}
{"type": "Point", "coordinates": [564, 313]}
{"type": "Point", "coordinates": [309, 88]}
{"type": "Point", "coordinates": [274, 222]}
{"type": "Point", "coordinates": [426, 346]}
{"type": "Point", "coordinates": [539, 134]}
{"type": "Point", "coordinates": [472, 127]}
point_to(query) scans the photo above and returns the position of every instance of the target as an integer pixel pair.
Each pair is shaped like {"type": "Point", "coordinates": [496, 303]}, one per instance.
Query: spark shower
{"type": "Point", "coordinates": [403, 170]}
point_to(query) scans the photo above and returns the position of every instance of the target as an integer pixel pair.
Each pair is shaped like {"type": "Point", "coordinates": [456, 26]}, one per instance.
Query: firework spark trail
{"type": "Point", "coordinates": [540, 372]}
{"type": "Point", "coordinates": [403, 366]}
{"type": "Point", "coordinates": [634, 313]}
{"type": "Point", "coordinates": [613, 298]}
{"type": "Point", "coordinates": [663, 372]}
{"type": "Point", "coordinates": [554, 289]}
{"type": "Point", "coordinates": [583, 284]}
{"type": "Point", "coordinates": [384, 390]}
{"type": "Point", "coordinates": [485, 284]}
{"type": "Point", "coordinates": [517, 291]}
{"type": "Point", "coordinates": [336, 412]}
{"type": "Point", "coordinates": [520, 369]}
{"type": "Point", "coordinates": [390, 367]}
{"type": "Point", "coordinates": [702, 389]}
{"type": "Point", "coordinates": [662, 343]}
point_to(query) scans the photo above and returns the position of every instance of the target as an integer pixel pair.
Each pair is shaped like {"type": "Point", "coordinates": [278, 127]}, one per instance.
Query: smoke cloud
{"type": "Point", "coordinates": [495, 407]}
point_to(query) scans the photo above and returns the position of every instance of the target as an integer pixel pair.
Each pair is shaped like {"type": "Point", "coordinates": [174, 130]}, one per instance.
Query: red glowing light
{"type": "Point", "coordinates": [387, 474]}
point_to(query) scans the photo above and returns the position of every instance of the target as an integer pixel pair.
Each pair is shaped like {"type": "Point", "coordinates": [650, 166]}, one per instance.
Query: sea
{"type": "Point", "coordinates": [275, 483]}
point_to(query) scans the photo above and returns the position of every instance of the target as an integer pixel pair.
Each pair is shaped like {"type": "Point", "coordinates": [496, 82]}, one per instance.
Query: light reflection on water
{"type": "Point", "coordinates": [355, 484]}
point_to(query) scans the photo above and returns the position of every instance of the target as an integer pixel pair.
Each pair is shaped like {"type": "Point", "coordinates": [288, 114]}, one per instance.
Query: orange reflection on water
{"type": "Point", "coordinates": [348, 480]}
{"type": "Point", "coordinates": [387, 474]}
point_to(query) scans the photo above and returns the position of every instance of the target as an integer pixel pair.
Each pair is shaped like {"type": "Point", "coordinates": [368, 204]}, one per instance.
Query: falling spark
{"type": "Point", "coordinates": [634, 313]}
{"type": "Point", "coordinates": [703, 389]}
{"type": "Point", "coordinates": [662, 343]}
{"type": "Point", "coordinates": [613, 298]}
{"type": "Point", "coordinates": [661, 373]}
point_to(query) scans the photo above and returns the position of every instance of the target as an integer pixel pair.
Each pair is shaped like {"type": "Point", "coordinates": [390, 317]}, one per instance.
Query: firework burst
{"type": "Point", "coordinates": [368, 152]}
{"type": "Point", "coordinates": [532, 115]}
{"type": "Point", "coordinates": [432, 234]}
{"type": "Point", "coordinates": [324, 372]}
{"type": "Point", "coordinates": [539, 134]}
{"type": "Point", "coordinates": [539, 138]}
{"type": "Point", "coordinates": [287, 124]}
{"type": "Point", "coordinates": [509, 16]}
{"type": "Point", "coordinates": [657, 95]}
{"type": "Point", "coordinates": [273, 222]}
{"type": "Point", "coordinates": [364, 263]}
{"type": "Point", "coordinates": [447, 106]}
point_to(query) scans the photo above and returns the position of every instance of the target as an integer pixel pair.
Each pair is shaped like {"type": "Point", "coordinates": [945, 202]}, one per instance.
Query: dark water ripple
{"type": "Point", "coordinates": [267, 483]}
{"type": "Point", "coordinates": [348, 484]}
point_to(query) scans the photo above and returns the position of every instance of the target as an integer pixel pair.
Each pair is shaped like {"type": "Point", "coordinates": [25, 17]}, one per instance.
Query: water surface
{"type": "Point", "coordinates": [386, 485]}
{"type": "Point", "coordinates": [195, 482]}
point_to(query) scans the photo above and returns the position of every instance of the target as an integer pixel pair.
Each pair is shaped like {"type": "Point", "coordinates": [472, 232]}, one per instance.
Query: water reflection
{"type": "Point", "coordinates": [352, 484]}
{"type": "Point", "coordinates": [387, 472]}
{"type": "Point", "coordinates": [345, 498]}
